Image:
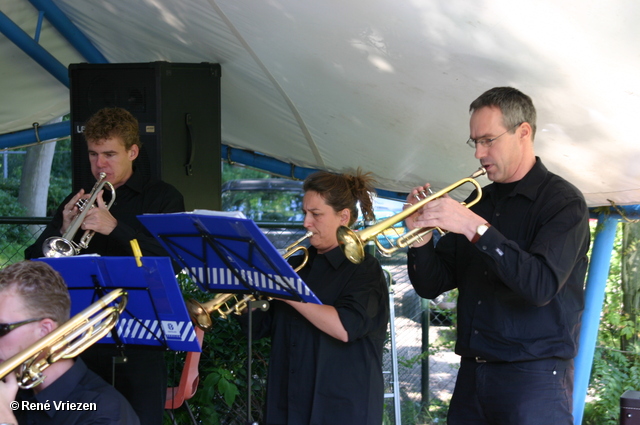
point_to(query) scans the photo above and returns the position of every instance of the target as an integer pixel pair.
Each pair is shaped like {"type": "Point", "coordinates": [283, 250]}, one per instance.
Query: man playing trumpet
{"type": "Point", "coordinates": [34, 301]}
{"type": "Point", "coordinates": [113, 143]}
{"type": "Point", "coordinates": [518, 258]}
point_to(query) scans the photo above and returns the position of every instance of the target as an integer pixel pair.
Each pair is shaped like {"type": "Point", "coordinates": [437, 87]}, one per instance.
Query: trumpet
{"type": "Point", "coordinates": [352, 243]}
{"type": "Point", "coordinates": [66, 341]}
{"type": "Point", "coordinates": [65, 246]}
{"type": "Point", "coordinates": [226, 304]}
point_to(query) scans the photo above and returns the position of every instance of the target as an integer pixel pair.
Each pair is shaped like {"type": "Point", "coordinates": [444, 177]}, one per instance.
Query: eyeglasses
{"type": "Point", "coordinates": [5, 328]}
{"type": "Point", "coordinates": [488, 142]}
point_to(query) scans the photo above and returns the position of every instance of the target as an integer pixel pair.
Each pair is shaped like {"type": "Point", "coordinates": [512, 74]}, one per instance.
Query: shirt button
{"type": "Point", "coordinates": [475, 332]}
{"type": "Point", "coordinates": [498, 214]}
{"type": "Point", "coordinates": [484, 247]}
{"type": "Point", "coordinates": [479, 302]}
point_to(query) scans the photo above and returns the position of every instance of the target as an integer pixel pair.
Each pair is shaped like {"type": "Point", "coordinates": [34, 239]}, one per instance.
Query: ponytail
{"type": "Point", "coordinates": [346, 190]}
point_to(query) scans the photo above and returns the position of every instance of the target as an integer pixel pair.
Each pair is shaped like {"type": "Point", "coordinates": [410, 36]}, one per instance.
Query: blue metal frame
{"type": "Point", "coordinates": [39, 54]}
{"type": "Point", "coordinates": [64, 26]}
{"type": "Point", "coordinates": [69, 31]}
{"type": "Point", "coordinates": [35, 135]}
{"type": "Point", "coordinates": [594, 297]}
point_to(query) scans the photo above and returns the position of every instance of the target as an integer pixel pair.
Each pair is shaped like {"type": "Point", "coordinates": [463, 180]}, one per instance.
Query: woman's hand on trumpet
{"type": "Point", "coordinates": [99, 219]}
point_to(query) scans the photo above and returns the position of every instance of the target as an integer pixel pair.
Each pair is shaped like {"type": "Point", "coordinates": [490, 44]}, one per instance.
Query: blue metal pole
{"type": "Point", "coordinates": [28, 137]}
{"type": "Point", "coordinates": [33, 49]}
{"type": "Point", "coordinates": [594, 297]}
{"type": "Point", "coordinates": [69, 31]}
{"type": "Point", "coordinates": [285, 169]}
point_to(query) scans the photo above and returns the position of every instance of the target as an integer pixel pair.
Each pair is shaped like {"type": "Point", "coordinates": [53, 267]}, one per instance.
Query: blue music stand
{"type": "Point", "coordinates": [225, 252]}
{"type": "Point", "coordinates": [155, 314]}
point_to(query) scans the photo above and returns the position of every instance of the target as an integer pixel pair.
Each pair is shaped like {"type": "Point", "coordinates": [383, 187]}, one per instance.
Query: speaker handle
{"type": "Point", "coordinates": [190, 148]}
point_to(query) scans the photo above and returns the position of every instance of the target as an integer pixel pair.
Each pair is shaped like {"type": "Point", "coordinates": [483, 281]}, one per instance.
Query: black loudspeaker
{"type": "Point", "coordinates": [630, 408]}
{"type": "Point", "coordinates": [178, 110]}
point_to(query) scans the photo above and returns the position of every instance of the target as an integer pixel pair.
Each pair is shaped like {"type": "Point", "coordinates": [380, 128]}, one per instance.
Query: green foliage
{"type": "Point", "coordinates": [222, 391]}
{"type": "Point", "coordinates": [414, 413]}
{"type": "Point", "coordinates": [60, 180]}
{"type": "Point", "coordinates": [238, 171]}
{"type": "Point", "coordinates": [9, 207]}
{"type": "Point", "coordinates": [15, 159]}
{"type": "Point", "coordinates": [614, 370]}
{"type": "Point", "coordinates": [613, 373]}
{"type": "Point", "coordinates": [59, 189]}
{"type": "Point", "coordinates": [62, 160]}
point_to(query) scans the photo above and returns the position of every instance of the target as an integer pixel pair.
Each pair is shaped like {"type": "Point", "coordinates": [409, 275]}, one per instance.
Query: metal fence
{"type": "Point", "coordinates": [425, 381]}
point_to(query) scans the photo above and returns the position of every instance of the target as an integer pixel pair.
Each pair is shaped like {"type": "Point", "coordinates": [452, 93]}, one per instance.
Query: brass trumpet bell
{"type": "Point", "coordinates": [64, 246]}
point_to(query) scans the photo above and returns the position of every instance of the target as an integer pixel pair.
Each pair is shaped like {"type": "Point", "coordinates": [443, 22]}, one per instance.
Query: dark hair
{"type": "Point", "coordinates": [516, 107]}
{"type": "Point", "coordinates": [113, 122]}
{"type": "Point", "coordinates": [342, 191]}
{"type": "Point", "coordinates": [42, 289]}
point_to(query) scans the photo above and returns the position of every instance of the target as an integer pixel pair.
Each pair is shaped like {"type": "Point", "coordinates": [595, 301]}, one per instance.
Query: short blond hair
{"type": "Point", "coordinates": [43, 290]}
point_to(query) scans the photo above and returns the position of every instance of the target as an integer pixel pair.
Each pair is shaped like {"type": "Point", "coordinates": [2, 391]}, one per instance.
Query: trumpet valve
{"type": "Point", "coordinates": [81, 204]}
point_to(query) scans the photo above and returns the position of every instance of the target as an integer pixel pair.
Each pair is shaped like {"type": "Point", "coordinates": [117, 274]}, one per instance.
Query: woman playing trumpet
{"type": "Point", "coordinates": [326, 360]}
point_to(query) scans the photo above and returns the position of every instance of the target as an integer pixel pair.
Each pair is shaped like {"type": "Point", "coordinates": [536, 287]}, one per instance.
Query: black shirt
{"type": "Point", "coordinates": [521, 286]}
{"type": "Point", "coordinates": [313, 377]}
{"type": "Point", "coordinates": [105, 406]}
{"type": "Point", "coordinates": [139, 195]}
{"type": "Point", "coordinates": [145, 375]}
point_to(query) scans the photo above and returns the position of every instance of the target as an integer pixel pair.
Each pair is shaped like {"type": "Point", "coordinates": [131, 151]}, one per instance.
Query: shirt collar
{"type": "Point", "coordinates": [529, 184]}
{"type": "Point", "coordinates": [62, 387]}
{"type": "Point", "coordinates": [335, 257]}
{"type": "Point", "coordinates": [137, 181]}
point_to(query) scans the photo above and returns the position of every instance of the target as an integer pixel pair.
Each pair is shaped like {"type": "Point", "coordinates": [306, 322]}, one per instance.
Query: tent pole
{"type": "Point", "coordinates": [63, 24]}
{"type": "Point", "coordinates": [39, 54]}
{"type": "Point", "coordinates": [594, 297]}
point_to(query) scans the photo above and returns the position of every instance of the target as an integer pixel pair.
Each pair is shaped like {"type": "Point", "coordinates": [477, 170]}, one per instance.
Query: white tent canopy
{"type": "Point", "coordinates": [384, 85]}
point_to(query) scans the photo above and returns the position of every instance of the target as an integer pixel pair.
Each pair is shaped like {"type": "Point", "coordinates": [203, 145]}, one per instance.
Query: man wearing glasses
{"type": "Point", "coordinates": [34, 301]}
{"type": "Point", "coordinates": [518, 259]}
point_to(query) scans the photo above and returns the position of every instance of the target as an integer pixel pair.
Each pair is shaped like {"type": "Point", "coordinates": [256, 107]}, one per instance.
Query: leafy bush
{"type": "Point", "coordinates": [9, 207]}
{"type": "Point", "coordinates": [222, 393]}
{"type": "Point", "coordinates": [614, 370]}
{"type": "Point", "coordinates": [59, 189]}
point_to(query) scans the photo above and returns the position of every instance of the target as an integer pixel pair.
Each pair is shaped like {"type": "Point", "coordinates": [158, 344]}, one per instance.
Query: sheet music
{"type": "Point", "coordinates": [233, 214]}
{"type": "Point", "coordinates": [225, 253]}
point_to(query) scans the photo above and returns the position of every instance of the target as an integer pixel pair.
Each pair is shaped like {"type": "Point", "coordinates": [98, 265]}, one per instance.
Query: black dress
{"type": "Point", "coordinates": [313, 377]}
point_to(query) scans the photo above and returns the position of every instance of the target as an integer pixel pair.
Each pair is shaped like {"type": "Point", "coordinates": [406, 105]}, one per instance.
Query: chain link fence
{"type": "Point", "coordinates": [426, 371]}
{"type": "Point", "coordinates": [16, 234]}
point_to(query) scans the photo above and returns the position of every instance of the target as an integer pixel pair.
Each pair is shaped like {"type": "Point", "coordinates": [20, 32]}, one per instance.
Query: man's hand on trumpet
{"type": "Point", "coordinates": [71, 211]}
{"type": "Point", "coordinates": [443, 213]}
{"type": "Point", "coordinates": [99, 219]}
{"type": "Point", "coordinates": [412, 222]}
{"type": "Point", "coordinates": [8, 391]}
